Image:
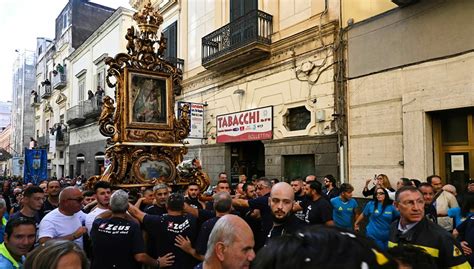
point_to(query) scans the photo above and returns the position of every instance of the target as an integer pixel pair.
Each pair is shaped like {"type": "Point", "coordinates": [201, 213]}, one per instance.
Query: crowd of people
{"type": "Point", "coordinates": [261, 223]}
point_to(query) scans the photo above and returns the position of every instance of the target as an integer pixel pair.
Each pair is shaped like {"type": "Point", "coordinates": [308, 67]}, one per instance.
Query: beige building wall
{"type": "Point", "coordinates": [427, 67]}
{"type": "Point", "coordinates": [358, 10]}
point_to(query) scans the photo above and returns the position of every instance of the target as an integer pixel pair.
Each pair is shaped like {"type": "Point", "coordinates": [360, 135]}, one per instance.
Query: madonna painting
{"type": "Point", "coordinates": [149, 99]}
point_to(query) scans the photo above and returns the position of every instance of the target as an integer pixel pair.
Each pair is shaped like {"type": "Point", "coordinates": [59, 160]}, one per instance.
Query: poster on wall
{"type": "Point", "coordinates": [255, 124]}
{"type": "Point", "coordinates": [197, 119]}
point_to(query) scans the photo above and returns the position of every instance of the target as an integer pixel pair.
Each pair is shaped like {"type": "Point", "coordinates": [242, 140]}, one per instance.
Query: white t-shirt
{"type": "Point", "coordinates": [91, 217]}
{"type": "Point", "coordinates": [55, 224]}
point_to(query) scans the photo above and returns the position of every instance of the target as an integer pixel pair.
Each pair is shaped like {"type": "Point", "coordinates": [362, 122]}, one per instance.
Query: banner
{"type": "Point", "coordinates": [197, 118]}
{"type": "Point", "coordinates": [35, 166]}
{"type": "Point", "coordinates": [255, 124]}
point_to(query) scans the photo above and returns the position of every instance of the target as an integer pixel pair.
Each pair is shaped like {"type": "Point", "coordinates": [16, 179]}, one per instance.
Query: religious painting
{"type": "Point", "coordinates": [152, 169]}
{"type": "Point", "coordinates": [149, 99]}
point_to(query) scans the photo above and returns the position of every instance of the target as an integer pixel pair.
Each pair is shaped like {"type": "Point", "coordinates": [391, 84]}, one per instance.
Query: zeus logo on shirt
{"type": "Point", "coordinates": [178, 227]}
{"type": "Point", "coordinates": [113, 228]}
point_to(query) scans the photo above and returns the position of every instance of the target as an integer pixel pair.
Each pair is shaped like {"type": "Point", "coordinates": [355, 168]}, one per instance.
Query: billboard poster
{"type": "Point", "coordinates": [197, 119]}
{"type": "Point", "coordinates": [255, 124]}
{"type": "Point", "coordinates": [35, 166]}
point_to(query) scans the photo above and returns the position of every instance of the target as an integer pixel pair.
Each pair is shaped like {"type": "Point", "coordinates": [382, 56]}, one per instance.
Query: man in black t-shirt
{"type": "Point", "coordinates": [298, 189]}
{"type": "Point", "coordinates": [53, 189]}
{"type": "Point", "coordinates": [161, 194]}
{"type": "Point", "coordinates": [192, 194]}
{"type": "Point", "coordinates": [281, 202]}
{"type": "Point", "coordinates": [166, 228]}
{"type": "Point", "coordinates": [317, 209]}
{"type": "Point", "coordinates": [117, 241]}
{"type": "Point", "coordinates": [33, 198]}
{"type": "Point", "coordinates": [222, 206]}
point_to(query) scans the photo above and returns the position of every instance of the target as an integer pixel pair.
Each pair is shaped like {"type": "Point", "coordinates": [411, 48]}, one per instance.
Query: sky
{"type": "Point", "coordinates": [22, 21]}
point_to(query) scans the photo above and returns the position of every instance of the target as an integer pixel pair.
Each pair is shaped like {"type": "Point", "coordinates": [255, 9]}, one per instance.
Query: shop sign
{"type": "Point", "coordinates": [256, 124]}
{"type": "Point", "coordinates": [197, 119]}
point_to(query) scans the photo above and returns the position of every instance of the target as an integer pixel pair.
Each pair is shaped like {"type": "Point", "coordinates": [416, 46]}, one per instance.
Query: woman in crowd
{"type": "Point", "coordinates": [57, 254]}
{"type": "Point", "coordinates": [380, 213]}
{"type": "Point", "coordinates": [381, 181]}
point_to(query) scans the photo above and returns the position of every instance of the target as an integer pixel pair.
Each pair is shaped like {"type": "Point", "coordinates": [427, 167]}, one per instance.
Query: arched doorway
{"type": "Point", "coordinates": [99, 163]}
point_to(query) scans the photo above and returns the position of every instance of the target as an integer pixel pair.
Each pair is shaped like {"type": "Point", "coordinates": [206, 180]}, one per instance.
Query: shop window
{"type": "Point", "coordinates": [297, 118]}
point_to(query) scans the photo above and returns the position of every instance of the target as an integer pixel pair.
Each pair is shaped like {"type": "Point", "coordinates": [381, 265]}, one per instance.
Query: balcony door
{"type": "Point", "coordinates": [454, 138]}
{"type": "Point", "coordinates": [241, 29]}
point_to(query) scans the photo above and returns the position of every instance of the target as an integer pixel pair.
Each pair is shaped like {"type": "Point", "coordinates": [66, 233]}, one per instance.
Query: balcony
{"type": "Point", "coordinates": [92, 107]}
{"type": "Point", "coordinates": [45, 91]}
{"type": "Point", "coordinates": [59, 81]}
{"type": "Point", "coordinates": [34, 100]}
{"type": "Point", "coordinates": [62, 138]}
{"type": "Point", "coordinates": [43, 141]}
{"type": "Point", "coordinates": [75, 115]}
{"type": "Point", "coordinates": [243, 41]}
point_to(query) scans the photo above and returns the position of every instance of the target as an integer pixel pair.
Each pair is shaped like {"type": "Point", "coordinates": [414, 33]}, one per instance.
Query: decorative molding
{"type": "Point", "coordinates": [81, 73]}
{"type": "Point", "coordinates": [101, 58]}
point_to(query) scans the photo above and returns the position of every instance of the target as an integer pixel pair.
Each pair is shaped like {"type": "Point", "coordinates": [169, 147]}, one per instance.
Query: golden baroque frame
{"type": "Point", "coordinates": [140, 137]}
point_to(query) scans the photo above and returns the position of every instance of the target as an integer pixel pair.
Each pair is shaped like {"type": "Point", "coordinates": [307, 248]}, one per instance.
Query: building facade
{"type": "Point", "coordinates": [22, 112]}
{"type": "Point", "coordinates": [263, 76]}
{"type": "Point", "coordinates": [75, 23]}
{"type": "Point", "coordinates": [411, 114]}
{"type": "Point", "coordinates": [87, 75]}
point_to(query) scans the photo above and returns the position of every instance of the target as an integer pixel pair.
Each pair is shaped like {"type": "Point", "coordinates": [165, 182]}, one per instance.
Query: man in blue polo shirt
{"type": "Point", "coordinates": [344, 207]}
{"type": "Point", "coordinates": [20, 235]}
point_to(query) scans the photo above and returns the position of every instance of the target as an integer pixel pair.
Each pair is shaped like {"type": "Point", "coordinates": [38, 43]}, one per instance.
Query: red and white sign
{"type": "Point", "coordinates": [256, 124]}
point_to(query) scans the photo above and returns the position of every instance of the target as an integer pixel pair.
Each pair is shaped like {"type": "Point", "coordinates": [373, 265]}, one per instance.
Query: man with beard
{"type": "Point", "coordinates": [161, 193]}
{"type": "Point", "coordinates": [192, 196]}
{"type": "Point", "coordinates": [281, 202]}
{"type": "Point", "coordinates": [164, 230]}
{"type": "Point", "coordinates": [330, 188]}
{"type": "Point", "coordinates": [298, 189]}
{"type": "Point", "coordinates": [53, 189]}
{"type": "Point", "coordinates": [102, 195]}
{"type": "Point", "coordinates": [249, 191]}
{"type": "Point", "coordinates": [317, 209]}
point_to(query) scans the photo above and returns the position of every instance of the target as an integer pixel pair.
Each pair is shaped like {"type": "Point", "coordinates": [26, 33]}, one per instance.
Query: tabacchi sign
{"type": "Point", "coordinates": [256, 124]}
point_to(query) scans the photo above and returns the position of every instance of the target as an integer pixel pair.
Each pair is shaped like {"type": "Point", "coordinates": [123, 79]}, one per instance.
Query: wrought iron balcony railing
{"type": "Point", "coordinates": [59, 81]}
{"type": "Point", "coordinates": [45, 91]}
{"type": "Point", "coordinates": [75, 114]}
{"type": "Point", "coordinates": [254, 27]}
{"type": "Point", "coordinates": [92, 107]}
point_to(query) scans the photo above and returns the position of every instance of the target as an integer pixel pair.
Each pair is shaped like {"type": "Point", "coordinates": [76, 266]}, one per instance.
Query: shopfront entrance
{"type": "Point", "coordinates": [454, 142]}
{"type": "Point", "coordinates": [247, 158]}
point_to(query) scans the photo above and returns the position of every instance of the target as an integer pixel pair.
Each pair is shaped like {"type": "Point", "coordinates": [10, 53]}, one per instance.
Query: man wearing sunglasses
{"type": "Point", "coordinates": [66, 221]}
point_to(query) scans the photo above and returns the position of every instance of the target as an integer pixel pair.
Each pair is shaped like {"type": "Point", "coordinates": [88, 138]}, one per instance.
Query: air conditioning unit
{"type": "Point", "coordinates": [403, 3]}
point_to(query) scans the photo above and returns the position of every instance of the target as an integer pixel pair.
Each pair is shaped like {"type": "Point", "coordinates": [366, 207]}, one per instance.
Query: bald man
{"type": "Point", "coordinates": [66, 221]}
{"type": "Point", "coordinates": [227, 249]}
{"type": "Point", "coordinates": [281, 202]}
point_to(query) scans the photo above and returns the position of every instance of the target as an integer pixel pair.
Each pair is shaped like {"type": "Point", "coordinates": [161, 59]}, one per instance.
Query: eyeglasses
{"type": "Point", "coordinates": [78, 199]}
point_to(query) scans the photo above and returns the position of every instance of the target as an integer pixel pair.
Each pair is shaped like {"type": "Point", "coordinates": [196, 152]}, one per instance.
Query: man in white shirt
{"type": "Point", "coordinates": [66, 221]}
{"type": "Point", "coordinates": [443, 201]}
{"type": "Point", "coordinates": [102, 195]}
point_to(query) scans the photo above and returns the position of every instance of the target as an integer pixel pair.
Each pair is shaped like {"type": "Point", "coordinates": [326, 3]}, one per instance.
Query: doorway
{"type": "Point", "coordinates": [247, 158]}
{"type": "Point", "coordinates": [454, 141]}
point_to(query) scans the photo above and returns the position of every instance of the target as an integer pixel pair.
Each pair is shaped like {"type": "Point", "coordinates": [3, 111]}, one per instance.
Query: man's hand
{"type": "Point", "coordinates": [367, 182]}
{"type": "Point", "coordinates": [467, 250]}
{"type": "Point", "coordinates": [166, 260]}
{"type": "Point", "coordinates": [184, 243]}
{"type": "Point", "coordinates": [79, 232]}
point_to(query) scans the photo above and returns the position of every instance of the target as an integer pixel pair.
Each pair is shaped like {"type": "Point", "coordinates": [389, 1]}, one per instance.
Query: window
{"type": "Point", "coordinates": [171, 34]}
{"type": "Point", "coordinates": [298, 165]}
{"type": "Point", "coordinates": [239, 8]}
{"type": "Point", "coordinates": [297, 118]}
{"type": "Point", "coordinates": [82, 88]}
{"type": "Point", "coordinates": [61, 154]}
{"type": "Point", "coordinates": [47, 127]}
{"type": "Point", "coordinates": [101, 78]}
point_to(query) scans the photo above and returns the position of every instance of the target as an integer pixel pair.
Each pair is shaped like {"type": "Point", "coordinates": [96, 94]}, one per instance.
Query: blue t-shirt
{"type": "Point", "coordinates": [379, 221]}
{"type": "Point", "coordinates": [343, 212]}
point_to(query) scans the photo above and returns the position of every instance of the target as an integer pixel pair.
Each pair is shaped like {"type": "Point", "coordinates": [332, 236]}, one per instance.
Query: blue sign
{"type": "Point", "coordinates": [36, 164]}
